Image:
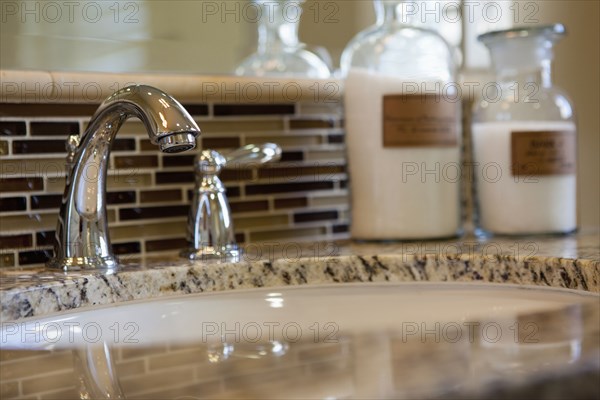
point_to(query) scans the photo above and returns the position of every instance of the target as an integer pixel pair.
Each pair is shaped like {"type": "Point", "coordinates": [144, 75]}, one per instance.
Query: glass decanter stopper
{"type": "Point", "coordinates": [524, 139]}
{"type": "Point", "coordinates": [279, 52]}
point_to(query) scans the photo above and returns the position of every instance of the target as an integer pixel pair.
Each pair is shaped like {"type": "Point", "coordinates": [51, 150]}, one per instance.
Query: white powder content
{"type": "Point", "coordinates": [521, 204]}
{"type": "Point", "coordinates": [389, 200]}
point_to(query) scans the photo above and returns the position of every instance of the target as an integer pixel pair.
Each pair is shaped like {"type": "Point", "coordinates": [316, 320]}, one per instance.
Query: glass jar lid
{"type": "Point", "coordinates": [556, 30]}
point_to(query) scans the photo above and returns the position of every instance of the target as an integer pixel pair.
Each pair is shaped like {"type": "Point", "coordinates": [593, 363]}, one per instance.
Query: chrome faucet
{"type": "Point", "coordinates": [210, 231]}
{"type": "Point", "coordinates": [82, 239]}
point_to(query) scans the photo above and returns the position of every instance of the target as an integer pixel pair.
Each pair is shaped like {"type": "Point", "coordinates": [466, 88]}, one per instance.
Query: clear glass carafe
{"type": "Point", "coordinates": [524, 139]}
{"type": "Point", "coordinates": [279, 52]}
{"type": "Point", "coordinates": [403, 131]}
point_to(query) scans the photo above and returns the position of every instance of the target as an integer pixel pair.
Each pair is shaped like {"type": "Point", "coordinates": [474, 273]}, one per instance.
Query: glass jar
{"type": "Point", "coordinates": [524, 139]}
{"type": "Point", "coordinates": [279, 52]}
{"type": "Point", "coordinates": [403, 132]}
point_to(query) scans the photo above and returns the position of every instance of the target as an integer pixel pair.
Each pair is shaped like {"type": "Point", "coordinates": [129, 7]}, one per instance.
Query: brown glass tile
{"type": "Point", "coordinates": [335, 139]}
{"type": "Point", "coordinates": [21, 184]}
{"type": "Point", "coordinates": [154, 229]}
{"type": "Point", "coordinates": [340, 229]}
{"type": "Point", "coordinates": [13, 204]}
{"type": "Point", "coordinates": [44, 110]}
{"type": "Point", "coordinates": [126, 248]}
{"type": "Point", "coordinates": [48, 201]}
{"type": "Point", "coordinates": [311, 123]}
{"type": "Point", "coordinates": [292, 156]}
{"type": "Point", "coordinates": [286, 234]}
{"type": "Point", "coordinates": [343, 184]}
{"type": "Point", "coordinates": [153, 212]}
{"type": "Point", "coordinates": [155, 196]}
{"type": "Point", "coordinates": [120, 197]}
{"type": "Point", "coordinates": [315, 216]}
{"type": "Point", "coordinates": [45, 201]}
{"type": "Point", "coordinates": [128, 180]}
{"type": "Point", "coordinates": [178, 161]}
{"type": "Point", "coordinates": [124, 145]}
{"type": "Point", "coordinates": [196, 109]}
{"type": "Point", "coordinates": [325, 155]}
{"type": "Point", "coordinates": [146, 145]}
{"type": "Point", "coordinates": [16, 241]}
{"type": "Point", "coordinates": [38, 166]}
{"type": "Point", "coordinates": [146, 161]}
{"type": "Point", "coordinates": [3, 148]}
{"type": "Point", "coordinates": [288, 187]}
{"type": "Point", "coordinates": [174, 177]}
{"type": "Point", "coordinates": [327, 170]}
{"type": "Point", "coordinates": [34, 257]}
{"type": "Point", "coordinates": [289, 140]}
{"type": "Point", "coordinates": [328, 201]}
{"type": "Point", "coordinates": [7, 260]}
{"type": "Point", "coordinates": [262, 221]}
{"type": "Point", "coordinates": [220, 142]}
{"type": "Point", "coordinates": [12, 128]}
{"type": "Point", "coordinates": [233, 174]}
{"type": "Point", "coordinates": [54, 128]}
{"type": "Point", "coordinates": [240, 238]}
{"type": "Point", "coordinates": [45, 238]}
{"type": "Point", "coordinates": [28, 222]}
{"type": "Point", "coordinates": [221, 125]}
{"type": "Point", "coordinates": [291, 203]}
{"type": "Point", "coordinates": [249, 206]}
{"type": "Point", "coordinates": [38, 146]}
{"type": "Point", "coordinates": [252, 109]}
{"type": "Point", "coordinates": [166, 244]}
{"type": "Point", "coordinates": [232, 192]}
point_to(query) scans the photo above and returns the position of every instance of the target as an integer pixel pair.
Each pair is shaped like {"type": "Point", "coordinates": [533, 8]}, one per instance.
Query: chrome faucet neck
{"type": "Point", "coordinates": [82, 239]}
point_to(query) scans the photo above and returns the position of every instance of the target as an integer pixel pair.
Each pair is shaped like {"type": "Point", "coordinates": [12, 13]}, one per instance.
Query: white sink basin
{"type": "Point", "coordinates": [401, 340]}
{"type": "Point", "coordinates": [284, 313]}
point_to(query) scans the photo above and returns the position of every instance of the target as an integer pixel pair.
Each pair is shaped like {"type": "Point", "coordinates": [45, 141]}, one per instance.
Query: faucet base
{"type": "Point", "coordinates": [229, 253]}
{"type": "Point", "coordinates": [106, 264]}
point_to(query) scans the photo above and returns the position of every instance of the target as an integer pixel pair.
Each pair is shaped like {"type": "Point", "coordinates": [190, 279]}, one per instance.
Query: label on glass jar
{"type": "Point", "coordinates": [543, 152]}
{"type": "Point", "coordinates": [414, 120]}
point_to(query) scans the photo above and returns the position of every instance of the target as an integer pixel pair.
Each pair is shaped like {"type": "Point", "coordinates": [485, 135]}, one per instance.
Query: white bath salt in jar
{"type": "Point", "coordinates": [524, 140]}
{"type": "Point", "coordinates": [402, 132]}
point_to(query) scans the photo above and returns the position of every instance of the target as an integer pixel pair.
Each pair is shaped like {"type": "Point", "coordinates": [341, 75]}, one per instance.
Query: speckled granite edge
{"type": "Point", "coordinates": [43, 292]}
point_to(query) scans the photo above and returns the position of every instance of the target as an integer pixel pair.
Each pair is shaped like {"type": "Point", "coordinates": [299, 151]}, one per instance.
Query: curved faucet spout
{"type": "Point", "coordinates": [82, 239]}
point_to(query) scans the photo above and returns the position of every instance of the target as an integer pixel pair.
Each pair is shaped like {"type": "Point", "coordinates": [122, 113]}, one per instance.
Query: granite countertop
{"type": "Point", "coordinates": [568, 262]}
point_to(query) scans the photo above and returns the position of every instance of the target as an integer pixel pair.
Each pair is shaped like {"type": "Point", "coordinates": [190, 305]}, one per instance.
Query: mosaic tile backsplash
{"type": "Point", "coordinates": [303, 197]}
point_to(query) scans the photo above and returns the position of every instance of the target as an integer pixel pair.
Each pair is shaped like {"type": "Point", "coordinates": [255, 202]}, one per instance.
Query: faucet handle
{"type": "Point", "coordinates": [210, 232]}
{"type": "Point", "coordinates": [253, 154]}
{"type": "Point", "coordinates": [210, 162]}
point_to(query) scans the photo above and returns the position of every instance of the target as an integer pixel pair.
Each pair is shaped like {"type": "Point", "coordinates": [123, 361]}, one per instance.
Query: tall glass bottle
{"type": "Point", "coordinates": [403, 132]}
{"type": "Point", "coordinates": [279, 52]}
{"type": "Point", "coordinates": [524, 139]}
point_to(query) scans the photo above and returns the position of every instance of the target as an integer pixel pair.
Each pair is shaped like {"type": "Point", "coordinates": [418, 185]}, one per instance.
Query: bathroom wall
{"type": "Point", "coordinates": [303, 197]}
{"type": "Point", "coordinates": [576, 71]}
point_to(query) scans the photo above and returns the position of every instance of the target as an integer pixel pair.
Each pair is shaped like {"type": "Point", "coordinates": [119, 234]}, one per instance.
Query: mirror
{"type": "Point", "coordinates": [175, 36]}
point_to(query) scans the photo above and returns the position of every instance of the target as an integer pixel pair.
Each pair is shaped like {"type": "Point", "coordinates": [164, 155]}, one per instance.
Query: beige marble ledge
{"type": "Point", "coordinates": [18, 86]}
{"type": "Point", "coordinates": [569, 262]}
